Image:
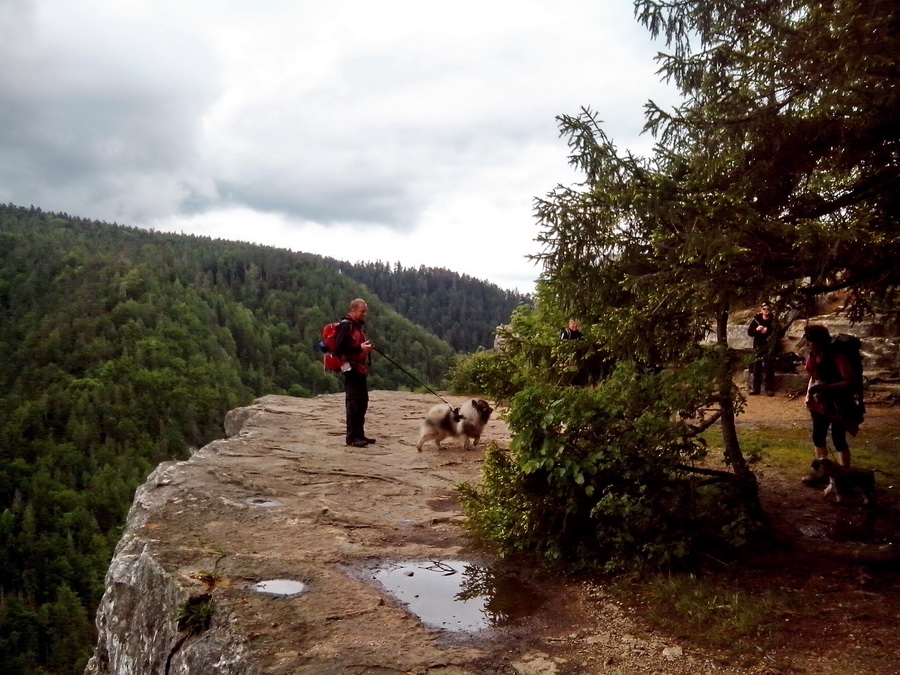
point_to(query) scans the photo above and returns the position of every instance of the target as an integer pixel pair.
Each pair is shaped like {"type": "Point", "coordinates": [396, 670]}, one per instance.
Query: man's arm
{"type": "Point", "coordinates": [343, 340]}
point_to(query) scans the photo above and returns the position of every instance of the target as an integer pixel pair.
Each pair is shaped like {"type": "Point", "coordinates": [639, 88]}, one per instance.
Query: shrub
{"type": "Point", "coordinates": [597, 477]}
{"type": "Point", "coordinates": [488, 373]}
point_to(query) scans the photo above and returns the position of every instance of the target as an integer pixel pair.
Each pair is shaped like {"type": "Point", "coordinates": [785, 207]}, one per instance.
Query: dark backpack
{"type": "Point", "coordinates": [851, 347]}
{"type": "Point", "coordinates": [328, 345]}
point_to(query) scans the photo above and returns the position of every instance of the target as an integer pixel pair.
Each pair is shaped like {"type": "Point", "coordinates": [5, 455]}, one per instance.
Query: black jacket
{"type": "Point", "coordinates": [760, 339]}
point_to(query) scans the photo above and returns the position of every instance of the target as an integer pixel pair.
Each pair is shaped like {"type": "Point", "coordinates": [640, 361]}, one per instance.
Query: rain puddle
{"type": "Point", "coordinates": [455, 595]}
{"type": "Point", "coordinates": [861, 528]}
{"type": "Point", "coordinates": [283, 587]}
{"type": "Point", "coordinates": [263, 502]}
{"type": "Point", "coordinates": [858, 530]}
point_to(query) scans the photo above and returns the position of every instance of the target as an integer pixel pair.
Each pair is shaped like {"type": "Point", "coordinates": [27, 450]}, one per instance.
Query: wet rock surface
{"type": "Point", "coordinates": [283, 499]}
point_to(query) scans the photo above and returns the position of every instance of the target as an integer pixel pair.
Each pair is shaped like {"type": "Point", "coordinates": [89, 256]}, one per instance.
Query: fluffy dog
{"type": "Point", "coordinates": [444, 421]}
{"type": "Point", "coordinates": [845, 482]}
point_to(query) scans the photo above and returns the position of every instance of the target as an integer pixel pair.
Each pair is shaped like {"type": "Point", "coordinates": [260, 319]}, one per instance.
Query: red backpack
{"type": "Point", "coordinates": [327, 345]}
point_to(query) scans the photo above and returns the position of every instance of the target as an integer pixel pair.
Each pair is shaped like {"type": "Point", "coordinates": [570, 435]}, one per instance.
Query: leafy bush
{"type": "Point", "coordinates": [488, 373]}
{"type": "Point", "coordinates": [530, 349]}
{"type": "Point", "coordinates": [599, 477]}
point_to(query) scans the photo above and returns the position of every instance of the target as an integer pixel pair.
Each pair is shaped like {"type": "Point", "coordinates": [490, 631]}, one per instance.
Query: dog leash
{"type": "Point", "coordinates": [455, 410]}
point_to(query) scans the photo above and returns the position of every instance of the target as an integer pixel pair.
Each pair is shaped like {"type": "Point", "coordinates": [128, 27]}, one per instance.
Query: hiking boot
{"type": "Point", "coordinates": [368, 440]}
{"type": "Point", "coordinates": [357, 443]}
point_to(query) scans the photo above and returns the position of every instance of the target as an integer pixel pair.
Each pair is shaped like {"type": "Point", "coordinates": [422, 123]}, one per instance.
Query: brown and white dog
{"type": "Point", "coordinates": [845, 482]}
{"type": "Point", "coordinates": [444, 421]}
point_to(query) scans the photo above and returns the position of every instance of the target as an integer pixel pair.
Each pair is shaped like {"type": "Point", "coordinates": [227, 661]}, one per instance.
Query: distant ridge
{"type": "Point", "coordinates": [459, 309]}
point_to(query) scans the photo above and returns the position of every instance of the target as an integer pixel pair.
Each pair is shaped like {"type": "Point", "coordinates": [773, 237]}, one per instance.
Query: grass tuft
{"type": "Point", "coordinates": [195, 615]}
{"type": "Point", "coordinates": [710, 611]}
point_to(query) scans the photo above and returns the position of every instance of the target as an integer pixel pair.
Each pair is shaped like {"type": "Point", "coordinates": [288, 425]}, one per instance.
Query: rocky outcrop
{"type": "Point", "coordinates": [282, 499]}
{"type": "Point", "coordinates": [138, 618]}
{"type": "Point", "coordinates": [880, 348]}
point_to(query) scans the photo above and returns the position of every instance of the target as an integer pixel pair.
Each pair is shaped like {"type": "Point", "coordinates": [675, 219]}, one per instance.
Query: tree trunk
{"type": "Point", "coordinates": [734, 458]}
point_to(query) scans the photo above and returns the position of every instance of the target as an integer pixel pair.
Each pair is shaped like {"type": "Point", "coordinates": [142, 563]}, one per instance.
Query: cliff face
{"type": "Point", "coordinates": [284, 499]}
{"type": "Point", "coordinates": [145, 592]}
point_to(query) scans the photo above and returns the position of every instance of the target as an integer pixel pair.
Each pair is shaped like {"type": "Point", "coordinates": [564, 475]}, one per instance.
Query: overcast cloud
{"type": "Point", "coordinates": [397, 130]}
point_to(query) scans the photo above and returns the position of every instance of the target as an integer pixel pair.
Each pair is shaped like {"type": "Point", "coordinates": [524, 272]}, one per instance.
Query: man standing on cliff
{"type": "Point", "coordinates": [352, 345]}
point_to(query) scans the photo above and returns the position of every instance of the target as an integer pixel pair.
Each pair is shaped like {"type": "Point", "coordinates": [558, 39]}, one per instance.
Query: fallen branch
{"type": "Point", "coordinates": [697, 429]}
{"type": "Point", "coordinates": [725, 475]}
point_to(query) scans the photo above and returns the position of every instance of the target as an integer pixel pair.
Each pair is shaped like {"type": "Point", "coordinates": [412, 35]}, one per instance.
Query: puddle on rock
{"type": "Point", "coordinates": [283, 587]}
{"type": "Point", "coordinates": [264, 502]}
{"type": "Point", "coordinates": [455, 595]}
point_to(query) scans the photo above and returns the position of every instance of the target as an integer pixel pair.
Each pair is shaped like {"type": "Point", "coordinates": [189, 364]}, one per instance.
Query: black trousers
{"type": "Point", "coordinates": [762, 373]}
{"type": "Point", "coordinates": [820, 424]}
{"type": "Point", "coordinates": [356, 391]}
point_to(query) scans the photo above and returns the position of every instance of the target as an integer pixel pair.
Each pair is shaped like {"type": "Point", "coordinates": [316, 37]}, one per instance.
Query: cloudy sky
{"type": "Point", "coordinates": [398, 130]}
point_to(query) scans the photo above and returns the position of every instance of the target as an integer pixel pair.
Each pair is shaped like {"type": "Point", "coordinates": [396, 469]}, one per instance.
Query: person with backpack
{"type": "Point", "coordinates": [352, 346]}
{"type": "Point", "coordinates": [833, 397]}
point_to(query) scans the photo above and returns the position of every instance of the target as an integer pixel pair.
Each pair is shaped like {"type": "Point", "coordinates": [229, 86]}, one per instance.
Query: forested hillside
{"type": "Point", "coordinates": [459, 309]}
{"type": "Point", "coordinates": [121, 348]}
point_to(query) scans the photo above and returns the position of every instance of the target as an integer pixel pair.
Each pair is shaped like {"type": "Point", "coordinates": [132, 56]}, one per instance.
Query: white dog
{"type": "Point", "coordinates": [444, 421]}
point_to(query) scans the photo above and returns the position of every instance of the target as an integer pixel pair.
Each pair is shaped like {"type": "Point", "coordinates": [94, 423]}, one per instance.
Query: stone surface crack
{"type": "Point", "coordinates": [351, 474]}
{"type": "Point", "coordinates": [350, 615]}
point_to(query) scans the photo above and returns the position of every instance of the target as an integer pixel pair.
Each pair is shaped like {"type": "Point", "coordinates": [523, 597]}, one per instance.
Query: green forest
{"type": "Point", "coordinates": [463, 311]}
{"type": "Point", "coordinates": [121, 348]}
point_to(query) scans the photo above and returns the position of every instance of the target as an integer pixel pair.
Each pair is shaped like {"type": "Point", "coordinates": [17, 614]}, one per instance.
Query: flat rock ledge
{"type": "Point", "coordinates": [283, 498]}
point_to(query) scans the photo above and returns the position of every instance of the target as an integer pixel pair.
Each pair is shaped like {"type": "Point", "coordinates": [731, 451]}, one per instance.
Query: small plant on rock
{"type": "Point", "coordinates": [195, 614]}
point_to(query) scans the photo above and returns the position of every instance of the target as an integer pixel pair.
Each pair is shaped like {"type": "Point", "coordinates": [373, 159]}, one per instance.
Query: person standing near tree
{"type": "Point", "coordinates": [762, 370]}
{"type": "Point", "coordinates": [829, 398]}
{"type": "Point", "coordinates": [571, 332]}
{"type": "Point", "coordinates": [353, 346]}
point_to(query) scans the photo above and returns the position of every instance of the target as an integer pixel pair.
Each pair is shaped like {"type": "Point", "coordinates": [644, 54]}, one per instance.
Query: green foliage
{"type": "Point", "coordinates": [56, 639]}
{"type": "Point", "coordinates": [776, 177]}
{"type": "Point", "coordinates": [501, 511]}
{"type": "Point", "coordinates": [530, 348]}
{"type": "Point", "coordinates": [719, 614]}
{"type": "Point", "coordinates": [68, 631]}
{"type": "Point", "coordinates": [487, 373]}
{"type": "Point", "coordinates": [595, 476]}
{"type": "Point", "coordinates": [790, 120]}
